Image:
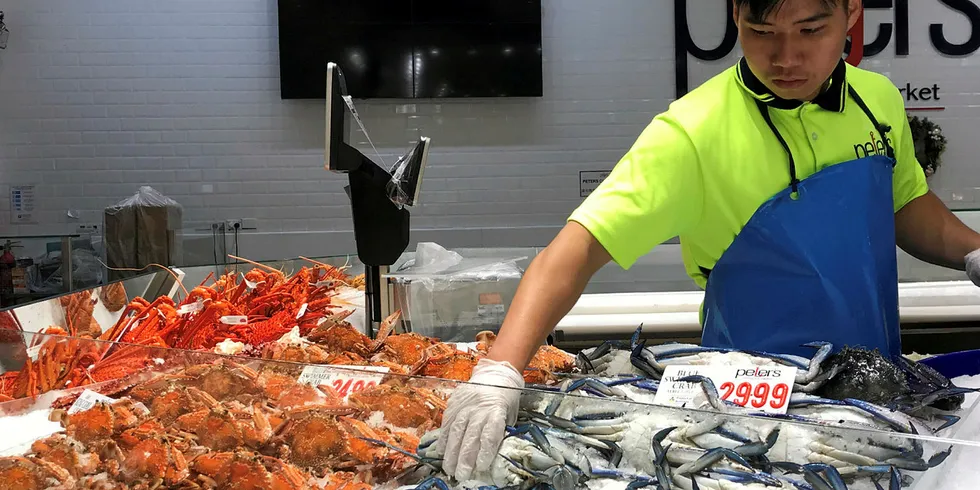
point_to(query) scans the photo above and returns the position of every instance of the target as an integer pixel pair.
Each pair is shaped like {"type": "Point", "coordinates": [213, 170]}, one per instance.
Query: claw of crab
{"type": "Point", "coordinates": [810, 473]}
{"type": "Point", "coordinates": [709, 389]}
{"type": "Point", "coordinates": [950, 420]}
{"type": "Point", "coordinates": [802, 384]}
{"type": "Point", "coordinates": [645, 361]}
{"type": "Point", "coordinates": [895, 419]}
{"type": "Point", "coordinates": [614, 454]}
{"type": "Point", "coordinates": [823, 351]}
{"type": "Point", "coordinates": [583, 362]}
{"type": "Point", "coordinates": [635, 338]}
{"type": "Point", "coordinates": [711, 457]}
{"type": "Point", "coordinates": [594, 386]}
{"type": "Point", "coordinates": [748, 477]}
{"type": "Point", "coordinates": [833, 477]}
{"type": "Point", "coordinates": [895, 482]}
{"type": "Point", "coordinates": [759, 448]}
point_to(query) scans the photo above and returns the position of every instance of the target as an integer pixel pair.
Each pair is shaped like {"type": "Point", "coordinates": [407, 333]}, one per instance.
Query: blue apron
{"type": "Point", "coordinates": [816, 262]}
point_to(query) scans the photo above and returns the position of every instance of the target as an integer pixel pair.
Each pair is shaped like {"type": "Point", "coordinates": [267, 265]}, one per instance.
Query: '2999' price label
{"type": "Point", "coordinates": [345, 380]}
{"type": "Point", "coordinates": [762, 388]}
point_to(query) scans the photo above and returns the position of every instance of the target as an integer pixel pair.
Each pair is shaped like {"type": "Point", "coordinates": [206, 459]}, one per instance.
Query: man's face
{"type": "Point", "coordinates": [794, 50]}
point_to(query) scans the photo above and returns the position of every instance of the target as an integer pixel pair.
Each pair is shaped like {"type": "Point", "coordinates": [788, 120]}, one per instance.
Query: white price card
{"type": "Point", "coordinates": [234, 320]}
{"type": "Point", "coordinates": [763, 388]}
{"type": "Point", "coordinates": [87, 400]}
{"type": "Point", "coordinates": [347, 380]}
{"type": "Point", "coordinates": [33, 352]}
{"type": "Point", "coordinates": [675, 393]}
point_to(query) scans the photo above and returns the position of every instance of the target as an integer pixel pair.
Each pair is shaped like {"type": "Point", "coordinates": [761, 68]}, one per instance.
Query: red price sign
{"type": "Point", "coordinates": [346, 380]}
{"type": "Point", "coordinates": [350, 386]}
{"type": "Point", "coordinates": [762, 388]}
{"type": "Point", "coordinates": [759, 395]}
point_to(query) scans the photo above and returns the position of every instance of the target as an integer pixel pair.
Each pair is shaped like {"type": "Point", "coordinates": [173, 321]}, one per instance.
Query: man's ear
{"type": "Point", "coordinates": [735, 11]}
{"type": "Point", "coordinates": [854, 8]}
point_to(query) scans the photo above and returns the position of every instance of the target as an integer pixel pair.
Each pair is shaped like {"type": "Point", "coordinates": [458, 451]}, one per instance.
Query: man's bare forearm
{"type": "Point", "coordinates": [551, 285]}
{"type": "Point", "coordinates": [929, 231]}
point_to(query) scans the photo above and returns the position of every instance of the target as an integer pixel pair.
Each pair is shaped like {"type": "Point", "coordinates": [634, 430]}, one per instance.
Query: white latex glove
{"type": "Point", "coordinates": [973, 266]}
{"type": "Point", "coordinates": [476, 416]}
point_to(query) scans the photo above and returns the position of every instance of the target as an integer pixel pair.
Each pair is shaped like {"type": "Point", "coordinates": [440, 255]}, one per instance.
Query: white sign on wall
{"type": "Point", "coordinates": [22, 204]}
{"type": "Point", "coordinates": [890, 29]}
{"type": "Point", "coordinates": [588, 180]}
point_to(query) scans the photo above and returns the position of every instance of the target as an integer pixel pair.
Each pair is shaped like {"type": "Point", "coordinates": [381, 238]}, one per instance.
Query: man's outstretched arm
{"type": "Point", "coordinates": [929, 231]}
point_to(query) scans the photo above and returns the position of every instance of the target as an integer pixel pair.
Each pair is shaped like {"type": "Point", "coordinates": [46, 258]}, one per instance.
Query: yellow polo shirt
{"type": "Point", "coordinates": [701, 169]}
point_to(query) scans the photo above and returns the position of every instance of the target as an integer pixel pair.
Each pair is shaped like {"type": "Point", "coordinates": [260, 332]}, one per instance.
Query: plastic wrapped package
{"type": "Point", "coordinates": [140, 230]}
{"type": "Point", "coordinates": [334, 426]}
{"type": "Point", "coordinates": [445, 295]}
{"type": "Point", "coordinates": [402, 178]}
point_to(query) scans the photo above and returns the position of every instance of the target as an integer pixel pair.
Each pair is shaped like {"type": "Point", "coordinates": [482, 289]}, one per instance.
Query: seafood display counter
{"type": "Point", "coordinates": [192, 419]}
{"type": "Point", "coordinates": [254, 376]}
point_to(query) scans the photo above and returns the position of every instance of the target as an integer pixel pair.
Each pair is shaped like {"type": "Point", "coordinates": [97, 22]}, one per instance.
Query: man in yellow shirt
{"type": "Point", "coordinates": [789, 178]}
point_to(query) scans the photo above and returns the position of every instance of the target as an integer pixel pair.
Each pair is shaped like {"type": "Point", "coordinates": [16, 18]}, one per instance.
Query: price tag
{"type": "Point", "coordinates": [346, 381]}
{"type": "Point", "coordinates": [190, 308]}
{"type": "Point", "coordinates": [675, 393]}
{"type": "Point", "coordinates": [329, 283]}
{"type": "Point", "coordinates": [32, 352]}
{"type": "Point", "coordinates": [763, 388]}
{"type": "Point", "coordinates": [234, 320]}
{"type": "Point", "coordinates": [87, 400]}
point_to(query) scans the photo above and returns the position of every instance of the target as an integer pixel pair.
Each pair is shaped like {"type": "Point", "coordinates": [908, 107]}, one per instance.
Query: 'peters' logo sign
{"type": "Point", "coordinates": [857, 47]}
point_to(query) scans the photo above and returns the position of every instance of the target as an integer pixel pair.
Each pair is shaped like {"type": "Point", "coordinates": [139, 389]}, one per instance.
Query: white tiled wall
{"type": "Point", "coordinates": [97, 98]}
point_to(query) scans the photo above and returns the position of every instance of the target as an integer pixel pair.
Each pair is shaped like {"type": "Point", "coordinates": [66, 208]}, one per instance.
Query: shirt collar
{"type": "Point", "coordinates": [831, 99]}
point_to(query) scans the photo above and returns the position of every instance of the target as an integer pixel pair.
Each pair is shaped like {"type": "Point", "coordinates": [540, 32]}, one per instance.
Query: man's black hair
{"type": "Point", "coordinates": [760, 9]}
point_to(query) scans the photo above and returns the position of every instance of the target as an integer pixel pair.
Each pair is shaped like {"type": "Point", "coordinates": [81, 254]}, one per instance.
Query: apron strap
{"type": "Point", "coordinates": [881, 128]}
{"type": "Point", "coordinates": [794, 182]}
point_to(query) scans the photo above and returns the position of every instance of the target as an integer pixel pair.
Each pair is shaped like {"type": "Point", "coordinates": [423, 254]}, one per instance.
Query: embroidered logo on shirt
{"type": "Point", "coordinates": [872, 147]}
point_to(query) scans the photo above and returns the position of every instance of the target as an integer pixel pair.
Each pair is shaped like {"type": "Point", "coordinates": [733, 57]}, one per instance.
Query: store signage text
{"type": "Point", "coordinates": [874, 146]}
{"type": "Point", "coordinates": [589, 180]}
{"type": "Point", "coordinates": [858, 48]}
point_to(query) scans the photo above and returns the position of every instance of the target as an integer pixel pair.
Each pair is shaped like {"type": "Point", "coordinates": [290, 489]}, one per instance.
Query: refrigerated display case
{"type": "Point", "coordinates": [151, 284]}
{"type": "Point", "coordinates": [453, 295]}
{"type": "Point", "coordinates": [46, 265]}
{"type": "Point", "coordinates": [938, 314]}
{"type": "Point", "coordinates": [330, 426]}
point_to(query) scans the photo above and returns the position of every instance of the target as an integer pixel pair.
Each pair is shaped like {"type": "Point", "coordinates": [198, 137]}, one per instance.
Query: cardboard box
{"type": "Point", "coordinates": [142, 230]}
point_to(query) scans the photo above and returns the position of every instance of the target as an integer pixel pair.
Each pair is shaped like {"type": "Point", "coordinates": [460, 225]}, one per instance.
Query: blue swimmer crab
{"type": "Point", "coordinates": [609, 359]}
{"type": "Point", "coordinates": [577, 440]}
{"type": "Point", "coordinates": [533, 455]}
{"type": "Point", "coordinates": [904, 385]}
{"type": "Point", "coordinates": [857, 439]}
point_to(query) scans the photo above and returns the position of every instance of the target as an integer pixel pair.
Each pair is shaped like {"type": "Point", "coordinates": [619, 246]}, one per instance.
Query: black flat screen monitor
{"type": "Point", "coordinates": [412, 48]}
